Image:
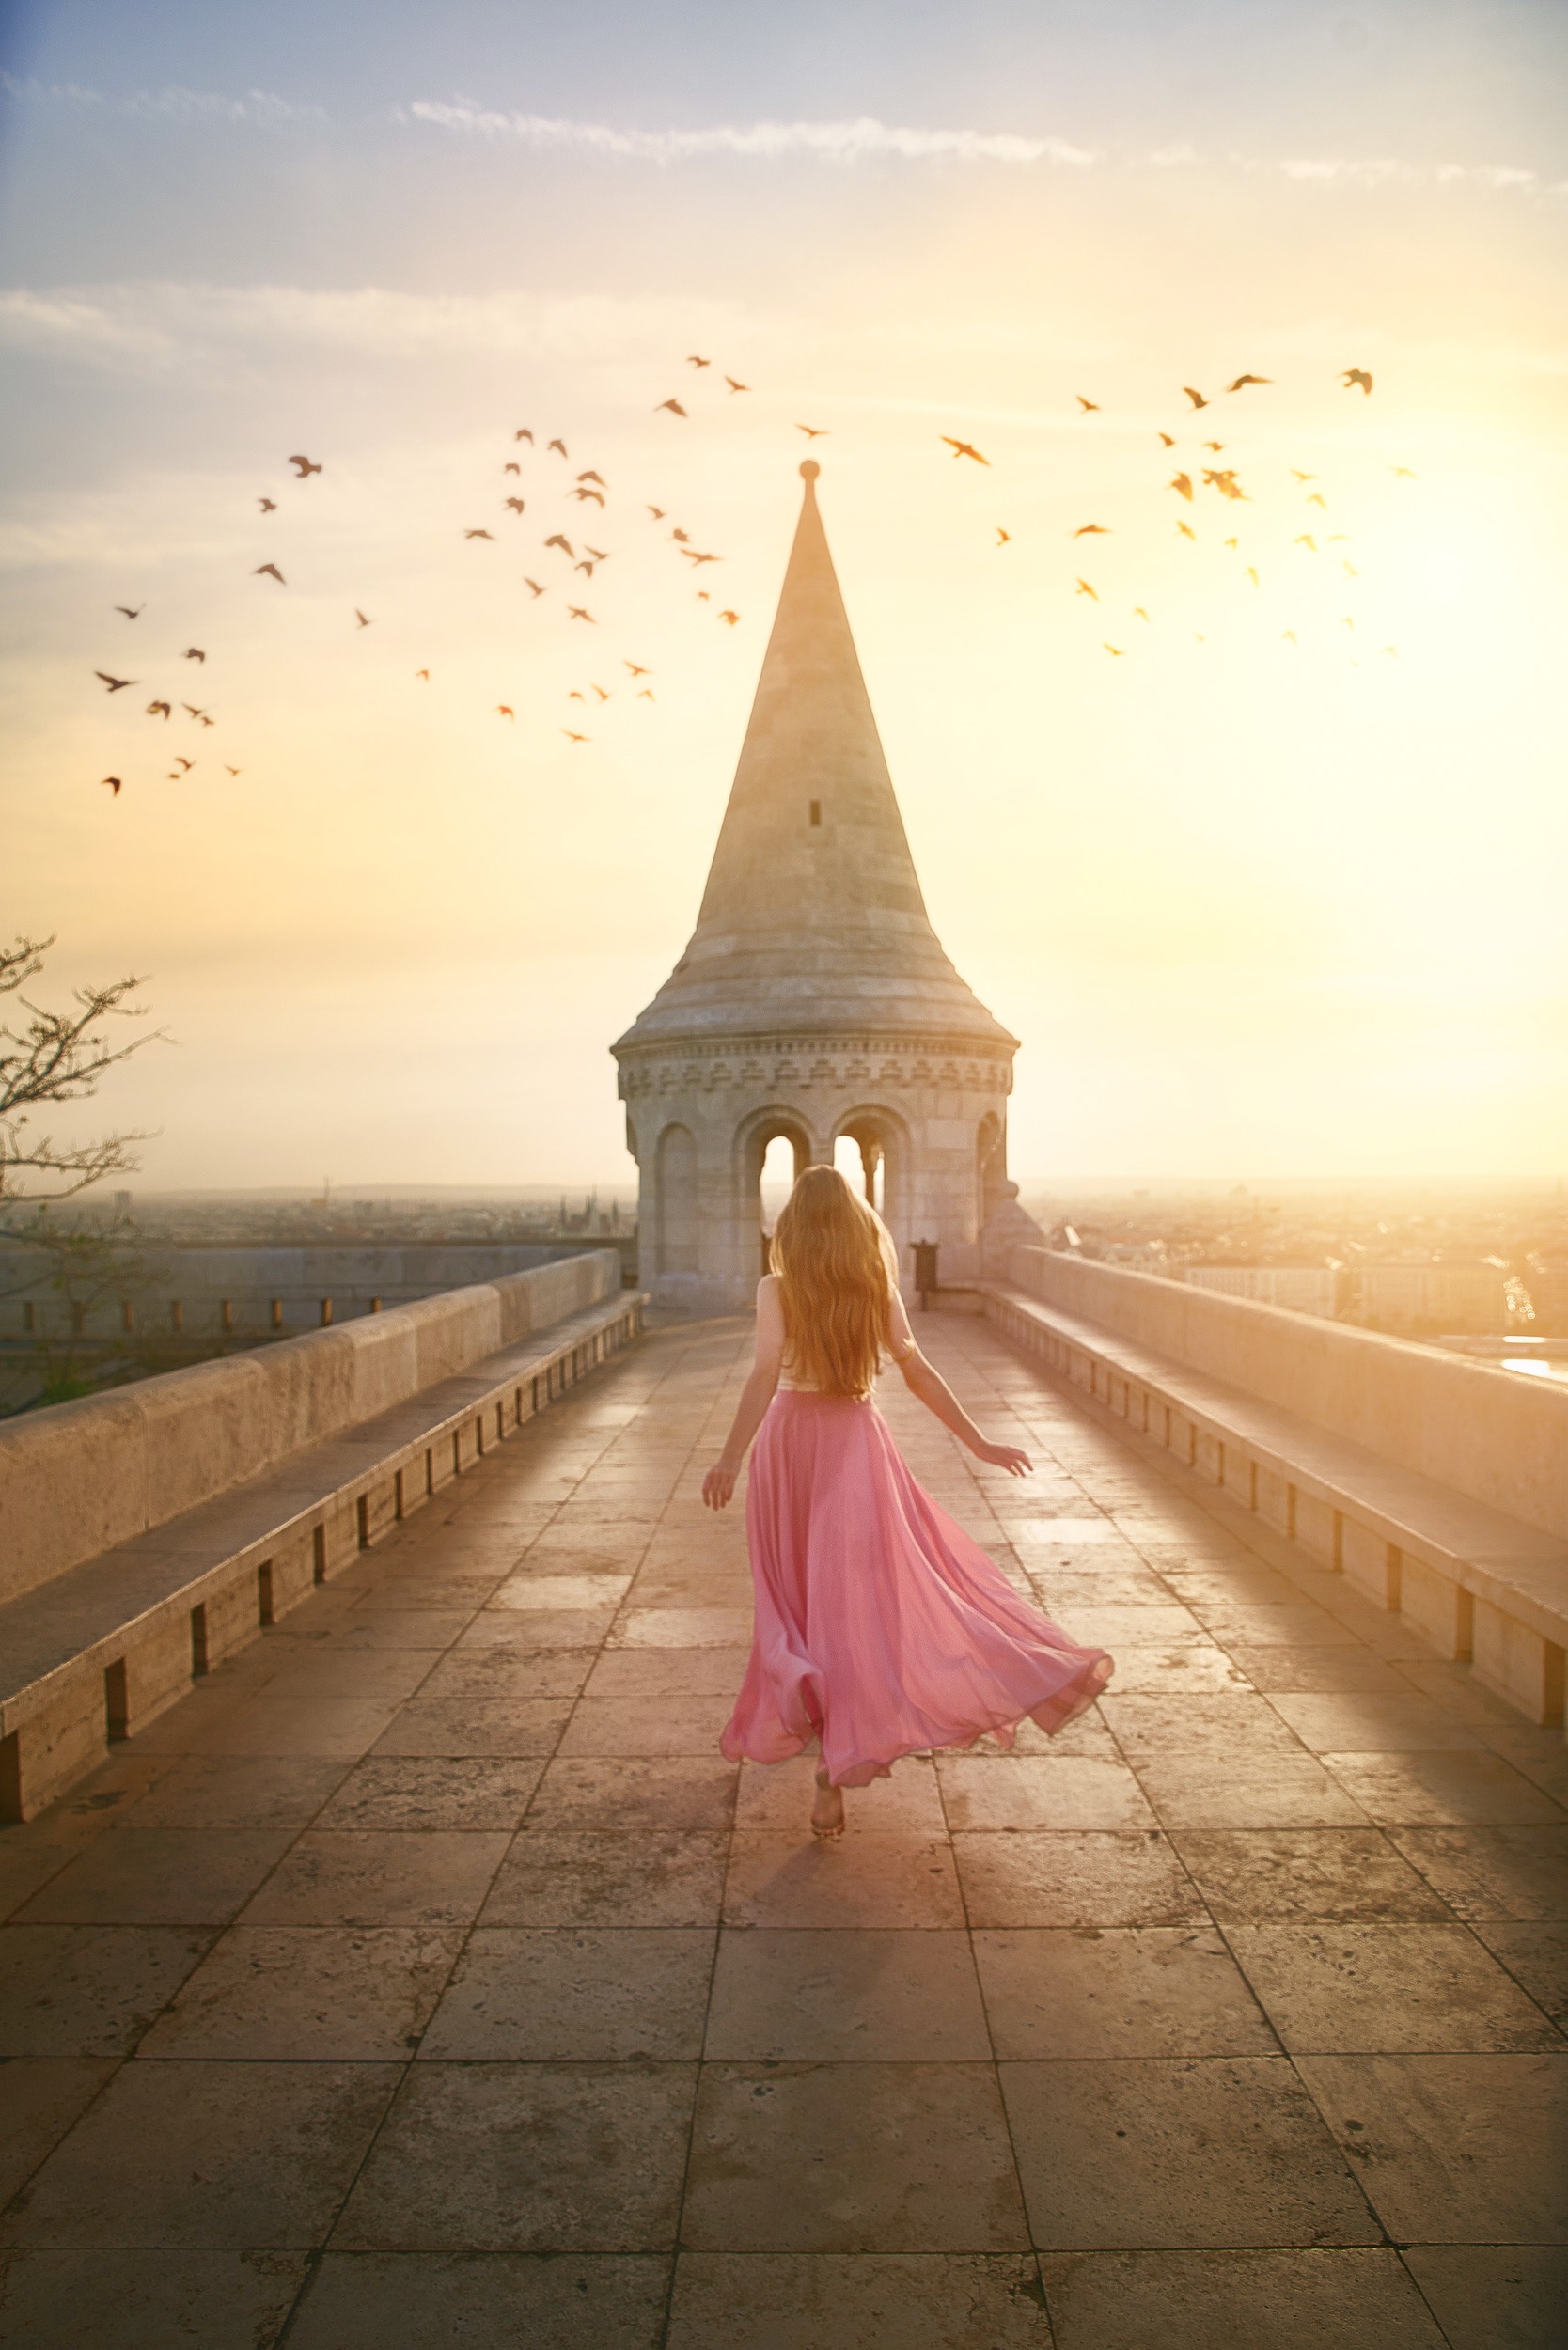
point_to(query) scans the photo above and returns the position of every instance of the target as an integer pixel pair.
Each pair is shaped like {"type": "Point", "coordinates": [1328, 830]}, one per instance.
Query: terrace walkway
{"type": "Point", "coordinates": [432, 1936]}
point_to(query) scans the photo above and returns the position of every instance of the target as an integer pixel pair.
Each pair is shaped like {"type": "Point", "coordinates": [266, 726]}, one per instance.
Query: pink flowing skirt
{"type": "Point", "coordinates": [881, 1626]}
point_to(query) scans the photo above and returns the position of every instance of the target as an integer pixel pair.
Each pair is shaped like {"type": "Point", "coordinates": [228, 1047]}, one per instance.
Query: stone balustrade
{"type": "Point", "coordinates": [149, 1532]}
{"type": "Point", "coordinates": [1437, 1484]}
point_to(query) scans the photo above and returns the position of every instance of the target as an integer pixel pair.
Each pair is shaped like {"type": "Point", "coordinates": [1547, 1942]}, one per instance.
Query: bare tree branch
{"type": "Point", "coordinates": [59, 1056]}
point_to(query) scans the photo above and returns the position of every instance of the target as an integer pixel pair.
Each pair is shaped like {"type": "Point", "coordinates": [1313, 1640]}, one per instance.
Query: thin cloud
{"type": "Point", "coordinates": [173, 103]}
{"type": "Point", "coordinates": [862, 140]}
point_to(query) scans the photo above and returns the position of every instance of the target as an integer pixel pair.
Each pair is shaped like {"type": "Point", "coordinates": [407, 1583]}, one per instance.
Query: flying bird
{"type": "Point", "coordinates": [1350, 569]}
{"type": "Point", "coordinates": [1317, 499]}
{"type": "Point", "coordinates": [268, 505]}
{"type": "Point", "coordinates": [1253, 577]}
{"type": "Point", "coordinates": [193, 653]}
{"type": "Point", "coordinates": [679, 534]}
{"type": "Point", "coordinates": [963, 448]}
{"type": "Point", "coordinates": [1182, 484]}
{"type": "Point", "coordinates": [523, 433]}
{"type": "Point", "coordinates": [1196, 397]}
{"type": "Point", "coordinates": [1090, 407]}
{"type": "Point", "coordinates": [269, 571]}
{"type": "Point", "coordinates": [1307, 541]}
{"type": "Point", "coordinates": [557, 445]}
{"type": "Point", "coordinates": [658, 512]}
{"type": "Point", "coordinates": [734, 387]}
{"type": "Point", "coordinates": [511, 467]}
{"type": "Point", "coordinates": [533, 583]}
{"type": "Point", "coordinates": [184, 764]}
{"type": "Point", "coordinates": [1169, 439]}
{"type": "Point", "coordinates": [504, 710]}
{"type": "Point", "coordinates": [112, 782]}
{"type": "Point", "coordinates": [232, 770]}
{"type": "Point", "coordinates": [361, 617]}
{"type": "Point", "coordinates": [1138, 611]}
{"type": "Point", "coordinates": [634, 669]}
{"type": "Point", "coordinates": [673, 405]}
{"type": "Point", "coordinates": [516, 506]}
{"type": "Point", "coordinates": [813, 431]}
{"type": "Point", "coordinates": [1405, 475]}
{"type": "Point", "coordinates": [1083, 588]}
{"type": "Point", "coordinates": [159, 709]}
{"type": "Point", "coordinates": [600, 690]}
{"type": "Point", "coordinates": [1391, 650]}
{"type": "Point", "coordinates": [576, 738]}
{"type": "Point", "coordinates": [1232, 542]}
{"type": "Point", "coordinates": [1243, 381]}
{"type": "Point", "coordinates": [1215, 446]}
{"type": "Point", "coordinates": [1356, 377]}
{"type": "Point", "coordinates": [600, 554]}
{"type": "Point", "coordinates": [591, 476]}
{"type": "Point", "coordinates": [575, 612]}
{"type": "Point", "coordinates": [1092, 530]}
{"type": "Point", "coordinates": [703, 597]}
{"type": "Point", "coordinates": [114, 685]}
{"type": "Point", "coordinates": [303, 468]}
{"type": "Point", "coordinates": [583, 567]}
{"type": "Point", "coordinates": [1289, 636]}
{"type": "Point", "coordinates": [1003, 537]}
{"type": "Point", "coordinates": [1186, 530]}
{"type": "Point", "coordinates": [597, 496]}
{"type": "Point", "coordinates": [692, 361]}
{"type": "Point", "coordinates": [693, 557]}
{"type": "Point", "coordinates": [424, 673]}
{"type": "Point", "coordinates": [1347, 622]}
{"type": "Point", "coordinates": [729, 618]}
{"type": "Point", "coordinates": [479, 534]}
{"type": "Point", "coordinates": [193, 709]}
{"type": "Point", "coordinates": [1302, 477]}
{"type": "Point", "coordinates": [129, 613]}
{"type": "Point", "coordinates": [1116, 651]}
{"type": "Point", "coordinates": [646, 693]}
{"type": "Point", "coordinates": [566, 547]}
{"type": "Point", "coordinates": [576, 696]}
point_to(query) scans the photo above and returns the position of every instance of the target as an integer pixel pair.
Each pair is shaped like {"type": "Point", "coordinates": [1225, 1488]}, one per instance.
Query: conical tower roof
{"type": "Point", "coordinates": [812, 922]}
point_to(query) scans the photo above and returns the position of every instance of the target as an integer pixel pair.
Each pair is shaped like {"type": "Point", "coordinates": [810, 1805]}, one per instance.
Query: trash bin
{"type": "Point", "coordinates": [925, 1271]}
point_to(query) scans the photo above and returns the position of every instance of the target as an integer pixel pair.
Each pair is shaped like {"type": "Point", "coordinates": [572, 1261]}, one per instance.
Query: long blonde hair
{"type": "Point", "coordinates": [837, 1265]}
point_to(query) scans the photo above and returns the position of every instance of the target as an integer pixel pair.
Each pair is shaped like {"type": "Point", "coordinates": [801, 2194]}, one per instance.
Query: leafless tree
{"type": "Point", "coordinates": [53, 1056]}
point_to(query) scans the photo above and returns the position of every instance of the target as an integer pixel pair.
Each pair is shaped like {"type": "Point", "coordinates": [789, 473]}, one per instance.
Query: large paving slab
{"type": "Point", "coordinates": [427, 1976]}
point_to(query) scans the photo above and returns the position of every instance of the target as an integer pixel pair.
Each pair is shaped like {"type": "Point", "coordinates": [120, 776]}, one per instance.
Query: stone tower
{"type": "Point", "coordinates": [814, 1000]}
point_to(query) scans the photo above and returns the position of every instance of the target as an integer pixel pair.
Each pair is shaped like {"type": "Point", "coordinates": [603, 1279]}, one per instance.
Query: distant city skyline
{"type": "Point", "coordinates": [1248, 907]}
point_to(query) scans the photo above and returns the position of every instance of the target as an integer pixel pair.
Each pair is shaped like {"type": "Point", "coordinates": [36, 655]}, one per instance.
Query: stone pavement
{"type": "Point", "coordinates": [426, 1975]}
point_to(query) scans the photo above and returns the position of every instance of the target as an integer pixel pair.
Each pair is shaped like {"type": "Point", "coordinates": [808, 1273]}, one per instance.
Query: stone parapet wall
{"type": "Point", "coordinates": [1490, 1433]}
{"type": "Point", "coordinates": [78, 1479]}
{"type": "Point", "coordinates": [243, 1291]}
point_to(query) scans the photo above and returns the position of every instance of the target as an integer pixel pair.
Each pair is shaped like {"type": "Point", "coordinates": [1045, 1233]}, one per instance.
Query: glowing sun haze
{"type": "Point", "coordinates": [1254, 906]}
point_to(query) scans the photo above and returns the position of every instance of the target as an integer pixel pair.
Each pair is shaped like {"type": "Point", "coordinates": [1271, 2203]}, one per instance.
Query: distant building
{"type": "Point", "coordinates": [1435, 1297]}
{"type": "Point", "coordinates": [1302, 1289]}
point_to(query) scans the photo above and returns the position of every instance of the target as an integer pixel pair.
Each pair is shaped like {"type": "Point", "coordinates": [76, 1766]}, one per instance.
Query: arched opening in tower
{"type": "Point", "coordinates": [780, 1153]}
{"type": "Point", "coordinates": [860, 1158]}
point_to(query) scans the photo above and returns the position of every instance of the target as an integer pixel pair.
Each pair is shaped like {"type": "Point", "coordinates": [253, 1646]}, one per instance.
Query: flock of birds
{"type": "Point", "coordinates": [1225, 482]}
{"type": "Point", "coordinates": [588, 490]}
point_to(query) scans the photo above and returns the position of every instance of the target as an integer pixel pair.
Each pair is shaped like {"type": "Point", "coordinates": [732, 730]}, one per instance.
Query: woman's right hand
{"type": "Point", "coordinates": [718, 1486]}
{"type": "Point", "coordinates": [1004, 1456]}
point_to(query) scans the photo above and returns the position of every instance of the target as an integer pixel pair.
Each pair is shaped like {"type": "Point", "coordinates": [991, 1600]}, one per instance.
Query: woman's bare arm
{"type": "Point", "coordinates": [718, 1486]}
{"type": "Point", "coordinates": [928, 1385]}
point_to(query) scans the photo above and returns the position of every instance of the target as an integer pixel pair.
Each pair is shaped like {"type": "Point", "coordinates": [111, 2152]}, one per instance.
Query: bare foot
{"type": "Point", "coordinates": [827, 1812]}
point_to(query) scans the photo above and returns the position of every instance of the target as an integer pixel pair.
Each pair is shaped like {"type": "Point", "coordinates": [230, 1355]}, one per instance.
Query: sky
{"type": "Point", "coordinates": [1273, 888]}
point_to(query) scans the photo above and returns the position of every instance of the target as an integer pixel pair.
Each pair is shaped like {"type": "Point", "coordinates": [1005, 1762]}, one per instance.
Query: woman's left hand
{"type": "Point", "coordinates": [1005, 1456]}
{"type": "Point", "coordinates": [718, 1487]}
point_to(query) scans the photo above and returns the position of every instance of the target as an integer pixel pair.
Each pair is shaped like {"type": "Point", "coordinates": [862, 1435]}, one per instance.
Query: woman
{"type": "Point", "coordinates": [881, 1628]}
